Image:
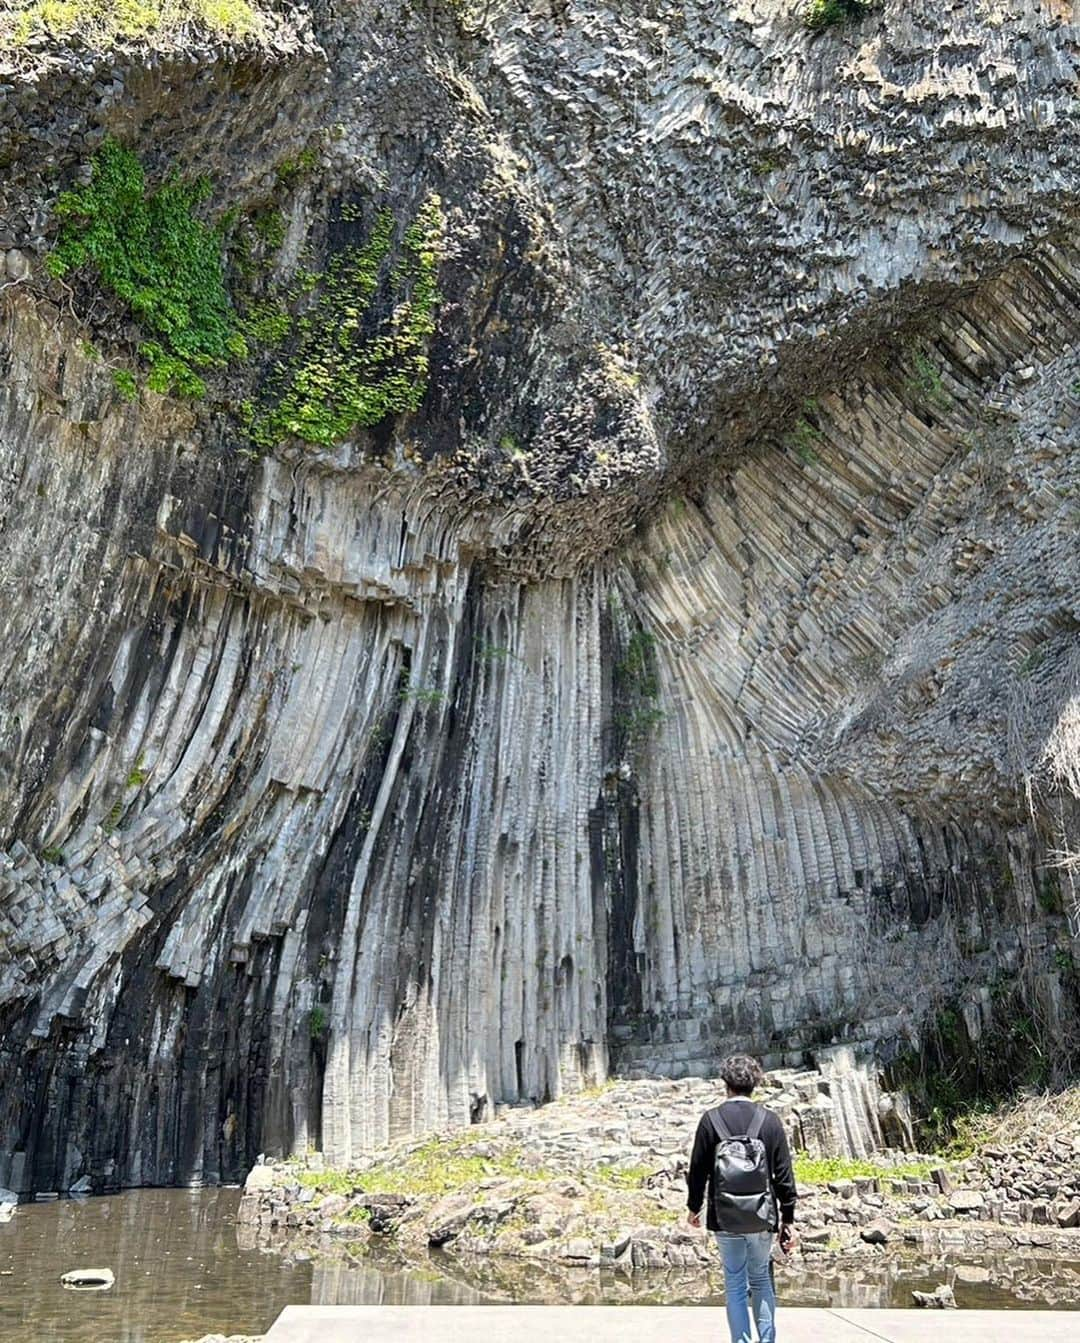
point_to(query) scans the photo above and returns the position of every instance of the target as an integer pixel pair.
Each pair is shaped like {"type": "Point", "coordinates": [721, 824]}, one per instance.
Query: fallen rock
{"type": "Point", "coordinates": [1067, 1214]}
{"type": "Point", "coordinates": [878, 1232]}
{"type": "Point", "coordinates": [966, 1200]}
{"type": "Point", "coordinates": [260, 1178]}
{"type": "Point", "coordinates": [941, 1298]}
{"type": "Point", "coordinates": [89, 1279]}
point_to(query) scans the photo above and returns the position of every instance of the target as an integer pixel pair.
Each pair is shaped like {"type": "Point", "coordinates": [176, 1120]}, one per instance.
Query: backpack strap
{"type": "Point", "coordinates": [719, 1124]}
{"type": "Point", "coordinates": [758, 1122]}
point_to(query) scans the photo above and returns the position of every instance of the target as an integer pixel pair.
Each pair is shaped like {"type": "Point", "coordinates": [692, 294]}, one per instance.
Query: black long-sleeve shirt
{"type": "Point", "coordinates": [738, 1115]}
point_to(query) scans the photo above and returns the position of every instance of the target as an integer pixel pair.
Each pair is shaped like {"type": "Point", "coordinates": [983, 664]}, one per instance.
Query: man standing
{"type": "Point", "coordinates": [741, 1152]}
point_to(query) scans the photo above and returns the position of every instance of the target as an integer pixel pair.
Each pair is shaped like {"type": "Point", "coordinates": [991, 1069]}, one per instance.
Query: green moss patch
{"type": "Point", "coordinates": [103, 23]}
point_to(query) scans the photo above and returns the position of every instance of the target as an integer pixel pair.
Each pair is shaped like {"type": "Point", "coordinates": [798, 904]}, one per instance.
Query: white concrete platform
{"type": "Point", "coordinates": [659, 1324]}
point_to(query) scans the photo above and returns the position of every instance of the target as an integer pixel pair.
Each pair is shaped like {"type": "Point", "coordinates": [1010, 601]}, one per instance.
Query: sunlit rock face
{"type": "Point", "coordinates": [695, 668]}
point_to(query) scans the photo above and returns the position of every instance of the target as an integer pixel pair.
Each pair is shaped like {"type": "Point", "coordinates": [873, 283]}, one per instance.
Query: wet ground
{"type": "Point", "coordinates": [183, 1271]}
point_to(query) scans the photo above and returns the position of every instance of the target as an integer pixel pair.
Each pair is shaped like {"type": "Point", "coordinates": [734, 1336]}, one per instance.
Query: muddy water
{"type": "Point", "coordinates": [183, 1271]}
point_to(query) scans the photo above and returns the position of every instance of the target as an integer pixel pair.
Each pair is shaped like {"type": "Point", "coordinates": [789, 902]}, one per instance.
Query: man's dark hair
{"type": "Point", "coordinates": [741, 1073]}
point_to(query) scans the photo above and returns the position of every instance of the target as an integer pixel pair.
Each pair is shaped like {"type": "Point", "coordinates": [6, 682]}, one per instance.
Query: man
{"type": "Point", "coordinates": [741, 1152]}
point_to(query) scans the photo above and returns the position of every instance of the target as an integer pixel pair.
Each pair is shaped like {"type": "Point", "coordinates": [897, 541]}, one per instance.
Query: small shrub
{"type": "Point", "coordinates": [422, 694]}
{"type": "Point", "coordinates": [804, 438]}
{"type": "Point", "coordinates": [295, 166]}
{"type": "Point", "coordinates": [270, 228]}
{"type": "Point", "coordinates": [53, 854]}
{"type": "Point", "coordinates": [925, 382]}
{"type": "Point", "coordinates": [317, 1022]}
{"type": "Point", "coordinates": [822, 14]}
{"type": "Point", "coordinates": [125, 384]}
{"type": "Point", "coordinates": [1031, 662]}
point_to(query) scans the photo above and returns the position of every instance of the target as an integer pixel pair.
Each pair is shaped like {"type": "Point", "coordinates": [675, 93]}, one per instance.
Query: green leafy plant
{"type": "Point", "coordinates": [925, 381]}
{"type": "Point", "coordinates": [295, 166]}
{"type": "Point", "coordinates": [422, 694]}
{"type": "Point", "coordinates": [348, 371]}
{"type": "Point", "coordinates": [1031, 662]}
{"type": "Point", "coordinates": [125, 384]}
{"type": "Point", "coordinates": [317, 1022]}
{"type": "Point", "coordinates": [829, 13]}
{"type": "Point", "coordinates": [151, 250]}
{"type": "Point", "coordinates": [53, 854]}
{"type": "Point", "coordinates": [637, 689]}
{"type": "Point", "coordinates": [804, 437]}
{"type": "Point", "coordinates": [270, 227]}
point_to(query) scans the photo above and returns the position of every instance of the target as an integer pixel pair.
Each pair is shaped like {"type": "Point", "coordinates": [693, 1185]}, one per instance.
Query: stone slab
{"type": "Point", "coordinates": [658, 1324]}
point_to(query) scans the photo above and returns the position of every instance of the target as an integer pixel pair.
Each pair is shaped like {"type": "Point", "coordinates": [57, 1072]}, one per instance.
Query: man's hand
{"type": "Point", "coordinates": [694, 1218]}
{"type": "Point", "coordinates": [789, 1238]}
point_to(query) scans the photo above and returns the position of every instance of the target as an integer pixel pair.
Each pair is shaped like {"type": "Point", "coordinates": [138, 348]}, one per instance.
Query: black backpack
{"type": "Point", "coordinates": [741, 1190]}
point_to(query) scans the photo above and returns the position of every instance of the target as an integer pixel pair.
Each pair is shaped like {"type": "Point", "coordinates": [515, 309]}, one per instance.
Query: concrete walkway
{"type": "Point", "coordinates": [659, 1324]}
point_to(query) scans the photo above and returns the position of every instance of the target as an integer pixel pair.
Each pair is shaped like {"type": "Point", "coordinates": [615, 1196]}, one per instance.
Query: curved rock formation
{"type": "Point", "coordinates": [696, 666]}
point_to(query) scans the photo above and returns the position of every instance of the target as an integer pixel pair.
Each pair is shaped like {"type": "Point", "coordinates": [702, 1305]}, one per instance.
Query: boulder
{"type": "Point", "coordinates": [617, 1246]}
{"type": "Point", "coordinates": [333, 1205]}
{"type": "Point", "coordinates": [17, 265]}
{"type": "Point", "coordinates": [941, 1298]}
{"type": "Point", "coordinates": [878, 1232]}
{"type": "Point", "coordinates": [261, 1179]}
{"type": "Point", "coordinates": [966, 1200]}
{"type": "Point", "coordinates": [1067, 1214]}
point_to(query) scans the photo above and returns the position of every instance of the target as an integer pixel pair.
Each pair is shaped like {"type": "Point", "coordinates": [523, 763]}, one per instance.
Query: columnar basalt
{"type": "Point", "coordinates": [695, 666]}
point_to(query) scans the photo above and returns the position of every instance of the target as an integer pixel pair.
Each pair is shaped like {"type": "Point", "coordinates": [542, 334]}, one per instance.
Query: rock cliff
{"type": "Point", "coordinates": [685, 659]}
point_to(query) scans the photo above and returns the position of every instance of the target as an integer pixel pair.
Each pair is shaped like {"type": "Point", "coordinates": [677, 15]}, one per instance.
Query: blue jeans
{"type": "Point", "coordinates": [747, 1274]}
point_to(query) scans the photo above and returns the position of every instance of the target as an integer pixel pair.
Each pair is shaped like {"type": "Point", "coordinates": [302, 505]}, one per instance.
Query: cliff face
{"type": "Point", "coordinates": [694, 666]}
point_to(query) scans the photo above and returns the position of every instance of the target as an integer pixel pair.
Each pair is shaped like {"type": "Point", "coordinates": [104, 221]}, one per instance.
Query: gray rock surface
{"type": "Point", "coordinates": [695, 669]}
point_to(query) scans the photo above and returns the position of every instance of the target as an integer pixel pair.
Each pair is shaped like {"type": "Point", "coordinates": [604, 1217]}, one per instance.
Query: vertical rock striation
{"type": "Point", "coordinates": [695, 667]}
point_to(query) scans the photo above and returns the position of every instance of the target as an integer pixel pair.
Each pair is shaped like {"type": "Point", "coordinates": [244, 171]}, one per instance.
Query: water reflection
{"type": "Point", "coordinates": [182, 1270]}
{"type": "Point", "coordinates": [179, 1271]}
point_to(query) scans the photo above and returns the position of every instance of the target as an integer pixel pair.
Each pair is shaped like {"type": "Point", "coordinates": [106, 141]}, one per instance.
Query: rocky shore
{"type": "Point", "coordinates": [597, 1182]}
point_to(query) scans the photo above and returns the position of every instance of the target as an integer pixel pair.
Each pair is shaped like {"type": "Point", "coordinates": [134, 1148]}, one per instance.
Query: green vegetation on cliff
{"type": "Point", "coordinates": [353, 338]}
{"type": "Point", "coordinates": [348, 370]}
{"type": "Point", "coordinates": [150, 249]}
{"type": "Point", "coordinates": [102, 23]}
{"type": "Point", "coordinates": [830, 13]}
